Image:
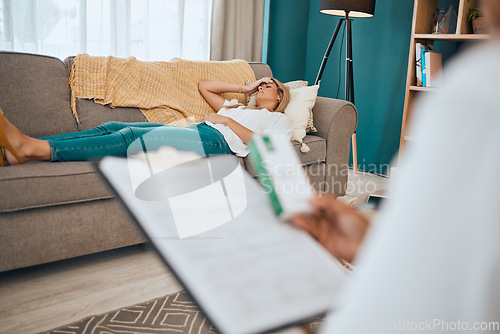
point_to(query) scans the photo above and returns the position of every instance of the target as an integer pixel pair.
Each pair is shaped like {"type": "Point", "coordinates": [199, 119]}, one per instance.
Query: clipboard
{"type": "Point", "coordinates": [248, 273]}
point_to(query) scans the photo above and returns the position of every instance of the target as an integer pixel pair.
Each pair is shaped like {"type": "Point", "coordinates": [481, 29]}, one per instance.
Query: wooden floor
{"type": "Point", "coordinates": [41, 298]}
{"type": "Point", "coordinates": [44, 297]}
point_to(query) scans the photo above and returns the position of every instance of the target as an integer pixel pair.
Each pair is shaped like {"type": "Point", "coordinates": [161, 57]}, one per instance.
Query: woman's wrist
{"type": "Point", "coordinates": [226, 120]}
{"type": "Point", "coordinates": [245, 89]}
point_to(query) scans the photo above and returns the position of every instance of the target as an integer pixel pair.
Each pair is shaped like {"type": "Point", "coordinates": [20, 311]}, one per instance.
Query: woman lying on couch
{"type": "Point", "coordinates": [226, 132]}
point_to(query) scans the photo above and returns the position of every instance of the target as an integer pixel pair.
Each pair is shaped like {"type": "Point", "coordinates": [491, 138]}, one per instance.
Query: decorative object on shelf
{"type": "Point", "coordinates": [438, 17]}
{"type": "Point", "coordinates": [478, 21]}
{"type": "Point", "coordinates": [474, 12]}
{"type": "Point", "coordinates": [445, 21]}
{"type": "Point", "coordinates": [346, 9]}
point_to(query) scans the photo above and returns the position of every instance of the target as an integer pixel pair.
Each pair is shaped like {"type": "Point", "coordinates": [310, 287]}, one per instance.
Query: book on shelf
{"type": "Point", "coordinates": [420, 50]}
{"type": "Point", "coordinates": [433, 68]}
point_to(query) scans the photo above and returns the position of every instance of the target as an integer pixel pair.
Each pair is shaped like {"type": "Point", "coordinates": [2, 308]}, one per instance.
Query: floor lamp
{"type": "Point", "coordinates": [346, 9]}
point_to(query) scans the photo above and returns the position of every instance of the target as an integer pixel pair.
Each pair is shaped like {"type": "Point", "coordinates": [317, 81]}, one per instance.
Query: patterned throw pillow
{"type": "Point", "coordinates": [248, 96]}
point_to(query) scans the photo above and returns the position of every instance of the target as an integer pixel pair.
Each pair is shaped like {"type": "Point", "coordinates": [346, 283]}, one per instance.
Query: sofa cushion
{"type": "Point", "coordinates": [37, 86]}
{"type": "Point", "coordinates": [43, 184]}
{"type": "Point", "coordinates": [91, 114]}
{"type": "Point", "coordinates": [316, 155]}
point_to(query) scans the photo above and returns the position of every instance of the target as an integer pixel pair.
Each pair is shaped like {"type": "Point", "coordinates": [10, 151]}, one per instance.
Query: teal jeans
{"type": "Point", "coordinates": [121, 139]}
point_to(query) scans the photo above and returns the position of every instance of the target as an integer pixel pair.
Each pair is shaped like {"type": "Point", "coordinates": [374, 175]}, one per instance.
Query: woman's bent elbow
{"type": "Point", "coordinates": [201, 85]}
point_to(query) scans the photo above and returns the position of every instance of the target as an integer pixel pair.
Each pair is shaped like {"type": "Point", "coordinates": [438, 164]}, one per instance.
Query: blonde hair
{"type": "Point", "coordinates": [284, 94]}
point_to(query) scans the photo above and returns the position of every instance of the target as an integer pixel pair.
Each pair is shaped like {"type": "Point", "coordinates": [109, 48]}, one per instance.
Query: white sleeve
{"type": "Point", "coordinates": [233, 102]}
{"type": "Point", "coordinates": [432, 259]}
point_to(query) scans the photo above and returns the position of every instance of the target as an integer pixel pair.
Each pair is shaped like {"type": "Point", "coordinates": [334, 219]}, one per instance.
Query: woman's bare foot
{"type": "Point", "coordinates": [26, 147]}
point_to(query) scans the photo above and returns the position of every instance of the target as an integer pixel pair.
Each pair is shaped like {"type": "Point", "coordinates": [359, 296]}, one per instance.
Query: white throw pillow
{"type": "Point", "coordinates": [299, 84]}
{"type": "Point", "coordinates": [302, 100]}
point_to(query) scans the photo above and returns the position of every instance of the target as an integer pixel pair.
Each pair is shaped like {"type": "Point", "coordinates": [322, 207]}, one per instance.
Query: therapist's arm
{"type": "Point", "coordinates": [338, 227]}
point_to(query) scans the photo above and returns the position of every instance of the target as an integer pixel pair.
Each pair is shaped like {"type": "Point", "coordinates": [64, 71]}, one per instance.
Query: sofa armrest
{"type": "Point", "coordinates": [336, 121]}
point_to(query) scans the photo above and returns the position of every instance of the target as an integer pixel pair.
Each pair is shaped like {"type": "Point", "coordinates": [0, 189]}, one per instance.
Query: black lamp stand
{"type": "Point", "coordinates": [349, 80]}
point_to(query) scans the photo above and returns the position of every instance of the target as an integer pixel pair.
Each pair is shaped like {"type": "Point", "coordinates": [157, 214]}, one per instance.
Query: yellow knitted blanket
{"type": "Point", "coordinates": [165, 92]}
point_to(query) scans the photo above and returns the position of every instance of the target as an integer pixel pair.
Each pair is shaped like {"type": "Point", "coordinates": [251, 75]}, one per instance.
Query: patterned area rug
{"type": "Point", "coordinates": [175, 313]}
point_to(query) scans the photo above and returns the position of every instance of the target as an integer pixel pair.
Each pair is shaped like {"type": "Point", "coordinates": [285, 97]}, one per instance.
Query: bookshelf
{"type": "Point", "coordinates": [423, 20]}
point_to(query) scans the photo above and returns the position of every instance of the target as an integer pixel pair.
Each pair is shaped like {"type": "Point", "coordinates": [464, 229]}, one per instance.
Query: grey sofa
{"type": "Point", "coordinates": [55, 211]}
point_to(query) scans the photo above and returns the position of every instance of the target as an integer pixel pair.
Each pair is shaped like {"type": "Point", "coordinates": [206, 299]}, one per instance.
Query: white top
{"type": "Point", "coordinates": [431, 263]}
{"type": "Point", "coordinates": [260, 121]}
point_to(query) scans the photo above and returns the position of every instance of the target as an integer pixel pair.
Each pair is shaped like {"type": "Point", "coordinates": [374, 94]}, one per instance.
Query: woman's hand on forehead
{"type": "Point", "coordinates": [252, 88]}
{"type": "Point", "coordinates": [267, 80]}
